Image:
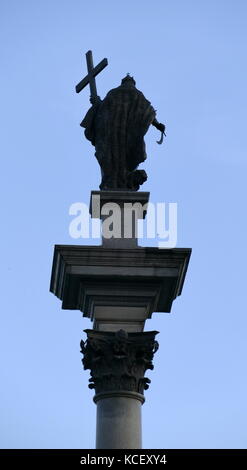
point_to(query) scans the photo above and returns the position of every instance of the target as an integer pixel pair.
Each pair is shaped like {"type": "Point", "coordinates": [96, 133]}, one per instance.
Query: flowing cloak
{"type": "Point", "coordinates": [116, 127]}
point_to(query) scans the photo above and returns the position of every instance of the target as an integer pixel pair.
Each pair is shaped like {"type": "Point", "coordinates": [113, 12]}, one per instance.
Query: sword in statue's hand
{"type": "Point", "coordinates": [162, 135]}
{"type": "Point", "coordinates": [161, 127]}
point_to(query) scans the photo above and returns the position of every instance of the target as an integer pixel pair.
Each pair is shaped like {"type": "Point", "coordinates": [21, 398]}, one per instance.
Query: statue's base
{"type": "Point", "coordinates": [118, 285]}
{"type": "Point", "coordinates": [119, 211]}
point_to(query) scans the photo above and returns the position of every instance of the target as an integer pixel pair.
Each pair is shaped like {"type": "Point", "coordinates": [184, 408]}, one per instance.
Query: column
{"type": "Point", "coordinates": [118, 362]}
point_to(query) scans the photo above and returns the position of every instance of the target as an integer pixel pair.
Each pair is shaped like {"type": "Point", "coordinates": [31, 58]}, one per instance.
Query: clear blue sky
{"type": "Point", "coordinates": [189, 59]}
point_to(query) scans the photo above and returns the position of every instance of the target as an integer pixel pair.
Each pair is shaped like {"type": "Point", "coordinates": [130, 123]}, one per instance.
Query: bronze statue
{"type": "Point", "coordinates": [116, 127]}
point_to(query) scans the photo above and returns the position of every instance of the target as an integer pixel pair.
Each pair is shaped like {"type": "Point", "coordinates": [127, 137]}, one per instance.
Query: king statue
{"type": "Point", "coordinates": [116, 127]}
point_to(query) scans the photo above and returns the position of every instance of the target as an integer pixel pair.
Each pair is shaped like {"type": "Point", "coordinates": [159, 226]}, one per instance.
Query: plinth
{"type": "Point", "coordinates": [118, 286]}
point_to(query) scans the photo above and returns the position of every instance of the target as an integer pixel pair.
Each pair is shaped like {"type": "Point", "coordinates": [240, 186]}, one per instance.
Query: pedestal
{"type": "Point", "coordinates": [122, 210]}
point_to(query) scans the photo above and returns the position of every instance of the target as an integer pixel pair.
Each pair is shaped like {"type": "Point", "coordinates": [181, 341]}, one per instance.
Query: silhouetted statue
{"type": "Point", "coordinates": [116, 127]}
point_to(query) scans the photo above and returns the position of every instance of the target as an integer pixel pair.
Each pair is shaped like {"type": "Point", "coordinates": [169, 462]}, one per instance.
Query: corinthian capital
{"type": "Point", "coordinates": [118, 360]}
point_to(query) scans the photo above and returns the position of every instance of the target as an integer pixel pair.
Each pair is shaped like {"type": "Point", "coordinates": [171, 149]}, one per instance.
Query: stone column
{"type": "Point", "coordinates": [118, 361]}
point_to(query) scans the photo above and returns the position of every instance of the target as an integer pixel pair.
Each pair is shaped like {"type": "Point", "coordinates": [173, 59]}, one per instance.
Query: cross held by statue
{"type": "Point", "coordinates": [90, 77]}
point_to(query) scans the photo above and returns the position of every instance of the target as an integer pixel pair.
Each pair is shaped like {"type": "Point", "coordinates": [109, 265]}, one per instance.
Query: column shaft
{"type": "Point", "coordinates": [118, 423]}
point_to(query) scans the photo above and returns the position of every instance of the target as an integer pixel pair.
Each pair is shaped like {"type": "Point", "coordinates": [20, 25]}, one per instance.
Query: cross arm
{"type": "Point", "coordinates": [95, 72]}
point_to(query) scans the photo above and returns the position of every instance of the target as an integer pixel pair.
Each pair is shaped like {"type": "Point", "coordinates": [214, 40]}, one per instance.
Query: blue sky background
{"type": "Point", "coordinates": [189, 59]}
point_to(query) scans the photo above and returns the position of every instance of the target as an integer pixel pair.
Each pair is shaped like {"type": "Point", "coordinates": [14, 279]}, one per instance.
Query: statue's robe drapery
{"type": "Point", "coordinates": [116, 127]}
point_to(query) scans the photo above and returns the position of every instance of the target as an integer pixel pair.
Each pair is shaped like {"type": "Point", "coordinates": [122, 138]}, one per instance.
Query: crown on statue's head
{"type": "Point", "coordinates": [128, 80]}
